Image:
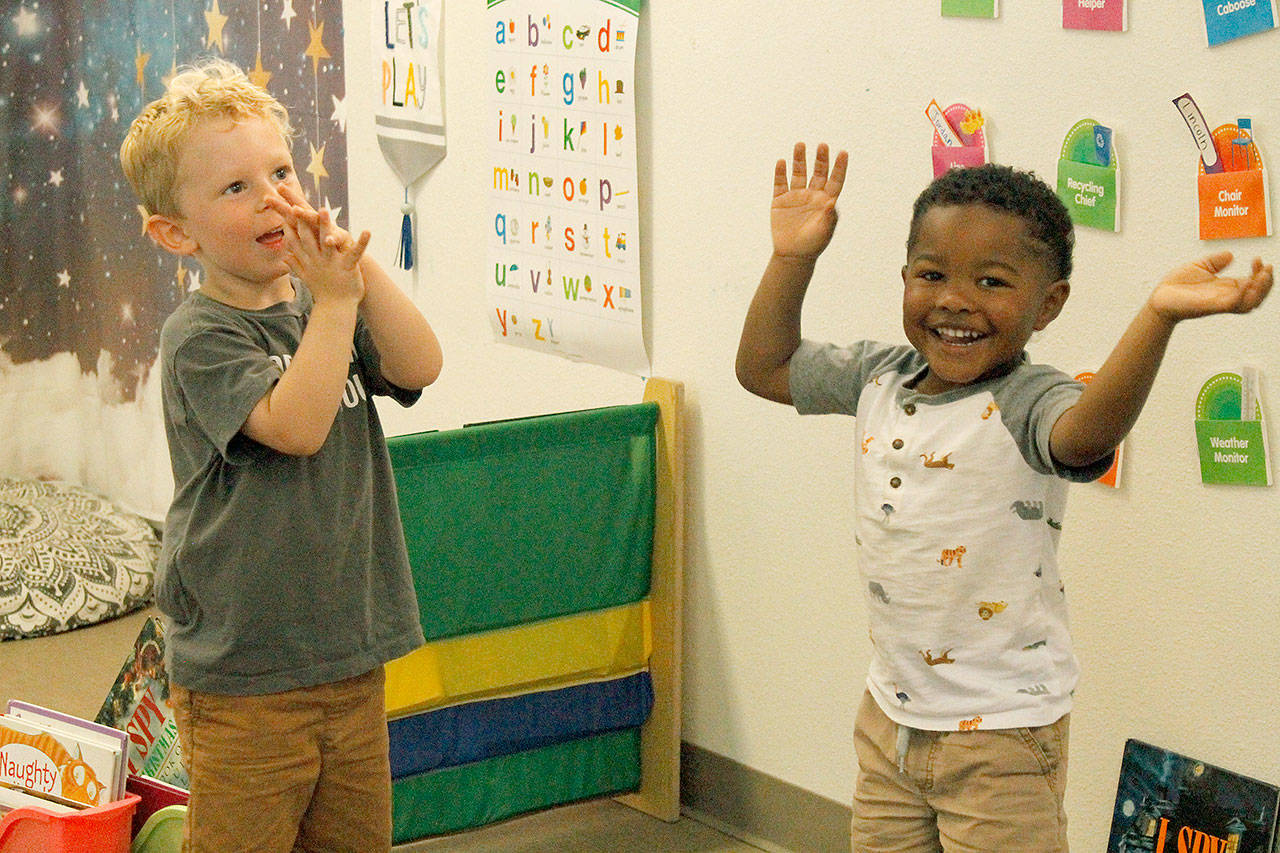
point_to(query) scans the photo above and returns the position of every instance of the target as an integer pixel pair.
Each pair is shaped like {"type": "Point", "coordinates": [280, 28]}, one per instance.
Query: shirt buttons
{"type": "Point", "coordinates": [895, 482]}
{"type": "Point", "coordinates": [897, 444]}
{"type": "Point", "coordinates": [909, 408]}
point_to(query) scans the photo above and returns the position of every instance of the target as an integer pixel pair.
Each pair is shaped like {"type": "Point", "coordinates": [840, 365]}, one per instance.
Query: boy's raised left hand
{"type": "Point", "coordinates": [1196, 289]}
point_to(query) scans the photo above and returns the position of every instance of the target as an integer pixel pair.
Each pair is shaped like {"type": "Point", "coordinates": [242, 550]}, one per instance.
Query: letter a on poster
{"type": "Point", "coordinates": [564, 224]}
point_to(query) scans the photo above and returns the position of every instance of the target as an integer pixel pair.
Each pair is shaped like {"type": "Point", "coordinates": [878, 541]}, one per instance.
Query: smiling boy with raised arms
{"type": "Point", "coordinates": [963, 451]}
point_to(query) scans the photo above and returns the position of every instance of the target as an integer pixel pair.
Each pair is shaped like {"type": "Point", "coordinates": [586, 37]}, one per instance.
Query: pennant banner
{"type": "Point", "coordinates": [409, 116]}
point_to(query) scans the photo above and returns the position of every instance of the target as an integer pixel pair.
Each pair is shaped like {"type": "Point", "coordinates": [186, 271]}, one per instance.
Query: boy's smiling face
{"type": "Point", "coordinates": [227, 169]}
{"type": "Point", "coordinates": [976, 285]}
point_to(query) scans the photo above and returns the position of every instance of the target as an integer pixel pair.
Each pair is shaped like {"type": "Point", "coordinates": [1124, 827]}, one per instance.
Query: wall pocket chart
{"type": "Point", "coordinates": [1235, 201]}
{"type": "Point", "coordinates": [958, 137]}
{"type": "Point", "coordinates": [564, 241]}
{"type": "Point", "coordinates": [1230, 434]}
{"type": "Point", "coordinates": [970, 8]}
{"type": "Point", "coordinates": [1112, 477]}
{"type": "Point", "coordinates": [1089, 176]}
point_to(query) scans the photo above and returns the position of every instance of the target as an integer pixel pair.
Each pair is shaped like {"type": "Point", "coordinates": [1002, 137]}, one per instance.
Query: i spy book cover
{"type": "Point", "coordinates": [1169, 803]}
{"type": "Point", "coordinates": [138, 704]}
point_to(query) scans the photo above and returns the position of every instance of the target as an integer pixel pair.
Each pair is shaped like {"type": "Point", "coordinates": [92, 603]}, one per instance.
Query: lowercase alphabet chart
{"type": "Point", "coordinates": [564, 240]}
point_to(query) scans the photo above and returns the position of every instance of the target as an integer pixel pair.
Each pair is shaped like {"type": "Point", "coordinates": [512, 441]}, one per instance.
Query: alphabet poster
{"type": "Point", "coordinates": [564, 241]}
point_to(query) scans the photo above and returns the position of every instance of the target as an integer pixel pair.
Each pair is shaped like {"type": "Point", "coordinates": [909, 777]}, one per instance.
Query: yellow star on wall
{"type": "Point", "coordinates": [316, 49]}
{"type": "Point", "coordinates": [259, 76]}
{"type": "Point", "coordinates": [216, 21]}
{"type": "Point", "coordinates": [316, 166]}
{"type": "Point", "coordinates": [140, 61]}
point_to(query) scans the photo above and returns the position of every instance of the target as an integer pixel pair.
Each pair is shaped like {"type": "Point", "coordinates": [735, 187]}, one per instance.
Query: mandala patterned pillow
{"type": "Point", "coordinates": [68, 558]}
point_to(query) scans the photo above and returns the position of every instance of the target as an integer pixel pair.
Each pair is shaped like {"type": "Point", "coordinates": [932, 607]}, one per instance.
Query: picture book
{"type": "Point", "coordinates": [1167, 803]}
{"type": "Point", "coordinates": [118, 740]}
{"type": "Point", "coordinates": [138, 704]}
{"type": "Point", "coordinates": [20, 798]}
{"type": "Point", "coordinates": [47, 759]}
{"type": "Point", "coordinates": [154, 795]}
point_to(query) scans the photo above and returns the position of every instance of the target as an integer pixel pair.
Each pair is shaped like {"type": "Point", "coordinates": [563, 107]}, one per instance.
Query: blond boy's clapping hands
{"type": "Point", "coordinates": [321, 254]}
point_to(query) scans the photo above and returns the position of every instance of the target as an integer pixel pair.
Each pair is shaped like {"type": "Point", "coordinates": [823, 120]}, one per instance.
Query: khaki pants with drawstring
{"type": "Point", "coordinates": [961, 792]}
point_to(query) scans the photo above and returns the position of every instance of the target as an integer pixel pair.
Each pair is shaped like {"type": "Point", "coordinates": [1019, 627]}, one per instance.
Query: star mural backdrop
{"type": "Point", "coordinates": [77, 274]}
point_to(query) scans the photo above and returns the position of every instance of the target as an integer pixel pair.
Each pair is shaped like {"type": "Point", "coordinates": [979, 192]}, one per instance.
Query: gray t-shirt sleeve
{"type": "Point", "coordinates": [222, 374]}
{"type": "Point", "coordinates": [1031, 406]}
{"type": "Point", "coordinates": [827, 379]}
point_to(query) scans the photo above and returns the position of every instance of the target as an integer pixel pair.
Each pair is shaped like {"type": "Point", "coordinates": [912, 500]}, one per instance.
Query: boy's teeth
{"type": "Point", "coordinates": [961, 334]}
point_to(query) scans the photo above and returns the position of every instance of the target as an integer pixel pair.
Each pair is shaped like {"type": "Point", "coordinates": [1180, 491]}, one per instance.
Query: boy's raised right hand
{"type": "Point", "coordinates": [803, 216]}
{"type": "Point", "coordinates": [801, 220]}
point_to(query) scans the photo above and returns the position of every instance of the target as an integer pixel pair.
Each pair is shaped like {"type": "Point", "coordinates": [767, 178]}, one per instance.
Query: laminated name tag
{"type": "Point", "coordinates": [959, 137]}
{"type": "Point", "coordinates": [970, 8]}
{"type": "Point", "coordinates": [1235, 201]}
{"type": "Point", "coordinates": [1226, 20]}
{"type": "Point", "coordinates": [1089, 176]}
{"type": "Point", "coordinates": [1095, 15]}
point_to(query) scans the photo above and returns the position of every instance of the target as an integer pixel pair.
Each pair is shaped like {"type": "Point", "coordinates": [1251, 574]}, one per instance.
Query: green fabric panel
{"type": "Point", "coordinates": [497, 788]}
{"type": "Point", "coordinates": [516, 521]}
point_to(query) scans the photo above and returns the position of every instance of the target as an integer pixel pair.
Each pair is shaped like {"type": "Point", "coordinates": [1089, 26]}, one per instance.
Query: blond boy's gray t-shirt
{"type": "Point", "coordinates": [277, 571]}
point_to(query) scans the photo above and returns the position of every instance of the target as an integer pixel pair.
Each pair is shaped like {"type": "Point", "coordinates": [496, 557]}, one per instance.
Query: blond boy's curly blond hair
{"type": "Point", "coordinates": [211, 88]}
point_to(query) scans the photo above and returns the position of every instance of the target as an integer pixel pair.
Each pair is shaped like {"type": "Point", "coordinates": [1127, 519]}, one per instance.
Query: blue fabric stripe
{"type": "Point", "coordinates": [461, 734]}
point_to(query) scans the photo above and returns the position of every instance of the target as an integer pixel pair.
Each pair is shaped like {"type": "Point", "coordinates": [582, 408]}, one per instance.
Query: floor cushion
{"type": "Point", "coordinates": [68, 558]}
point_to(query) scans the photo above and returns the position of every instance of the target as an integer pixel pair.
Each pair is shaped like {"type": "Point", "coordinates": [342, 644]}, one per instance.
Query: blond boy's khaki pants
{"type": "Point", "coordinates": [303, 770]}
{"type": "Point", "coordinates": [961, 792]}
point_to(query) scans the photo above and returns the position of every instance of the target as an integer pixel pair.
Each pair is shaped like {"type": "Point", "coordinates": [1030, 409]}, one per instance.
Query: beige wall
{"type": "Point", "coordinates": [1173, 585]}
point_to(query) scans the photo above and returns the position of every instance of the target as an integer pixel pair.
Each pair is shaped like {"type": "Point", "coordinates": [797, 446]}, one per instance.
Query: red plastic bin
{"type": "Point", "coordinates": [101, 829]}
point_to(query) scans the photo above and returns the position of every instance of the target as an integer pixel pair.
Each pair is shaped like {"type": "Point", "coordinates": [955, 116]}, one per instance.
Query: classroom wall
{"type": "Point", "coordinates": [1173, 585]}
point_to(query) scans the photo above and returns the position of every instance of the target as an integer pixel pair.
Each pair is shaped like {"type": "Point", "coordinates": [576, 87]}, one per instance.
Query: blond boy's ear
{"type": "Point", "coordinates": [170, 234]}
{"type": "Point", "coordinates": [1055, 297]}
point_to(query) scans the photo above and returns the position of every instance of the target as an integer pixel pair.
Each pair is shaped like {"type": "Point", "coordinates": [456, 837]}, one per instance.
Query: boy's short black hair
{"type": "Point", "coordinates": [1004, 188]}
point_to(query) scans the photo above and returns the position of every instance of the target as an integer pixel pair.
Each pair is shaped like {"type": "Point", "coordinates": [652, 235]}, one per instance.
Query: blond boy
{"type": "Point", "coordinates": [283, 578]}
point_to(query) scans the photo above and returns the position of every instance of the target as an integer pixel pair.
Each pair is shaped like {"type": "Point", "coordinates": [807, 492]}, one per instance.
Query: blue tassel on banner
{"type": "Point", "coordinates": [404, 254]}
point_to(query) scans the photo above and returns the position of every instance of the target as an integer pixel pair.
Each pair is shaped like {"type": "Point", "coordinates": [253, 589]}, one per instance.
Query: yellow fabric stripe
{"type": "Point", "coordinates": [539, 656]}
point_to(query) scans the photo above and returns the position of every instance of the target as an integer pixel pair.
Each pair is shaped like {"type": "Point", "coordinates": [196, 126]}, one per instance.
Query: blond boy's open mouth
{"type": "Point", "coordinates": [272, 238]}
